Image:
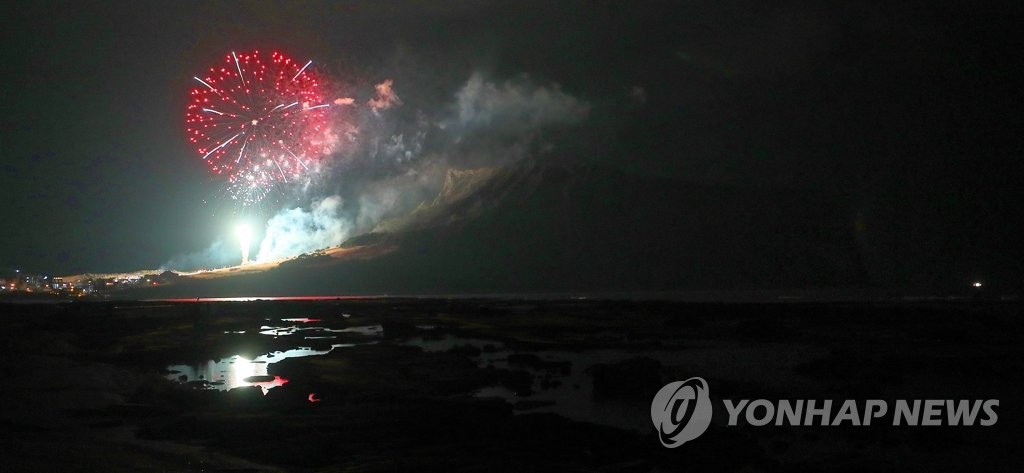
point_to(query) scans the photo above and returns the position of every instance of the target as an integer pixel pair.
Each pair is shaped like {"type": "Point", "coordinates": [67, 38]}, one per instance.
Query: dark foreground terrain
{"type": "Point", "coordinates": [491, 385]}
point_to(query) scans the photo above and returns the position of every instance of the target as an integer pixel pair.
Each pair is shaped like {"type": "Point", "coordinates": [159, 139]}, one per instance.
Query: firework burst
{"type": "Point", "coordinates": [259, 121]}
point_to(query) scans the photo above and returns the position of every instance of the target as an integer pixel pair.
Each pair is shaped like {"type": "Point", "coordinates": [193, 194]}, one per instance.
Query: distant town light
{"type": "Point", "coordinates": [976, 284]}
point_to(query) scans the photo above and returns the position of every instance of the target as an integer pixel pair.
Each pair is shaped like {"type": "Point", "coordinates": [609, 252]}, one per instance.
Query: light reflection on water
{"type": "Point", "coordinates": [365, 330]}
{"type": "Point", "coordinates": [232, 372]}
{"type": "Point", "coordinates": [237, 371]}
{"type": "Point", "coordinates": [449, 341]}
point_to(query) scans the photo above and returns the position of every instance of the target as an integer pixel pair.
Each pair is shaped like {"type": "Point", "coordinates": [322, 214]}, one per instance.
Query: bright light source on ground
{"type": "Point", "coordinates": [244, 240]}
{"type": "Point", "coordinates": [976, 284]}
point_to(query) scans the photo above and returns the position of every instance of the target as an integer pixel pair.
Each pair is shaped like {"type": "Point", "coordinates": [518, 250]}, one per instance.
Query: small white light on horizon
{"type": "Point", "coordinates": [976, 284]}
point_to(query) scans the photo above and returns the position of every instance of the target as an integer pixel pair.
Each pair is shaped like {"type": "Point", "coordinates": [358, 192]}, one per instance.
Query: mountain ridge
{"type": "Point", "coordinates": [550, 228]}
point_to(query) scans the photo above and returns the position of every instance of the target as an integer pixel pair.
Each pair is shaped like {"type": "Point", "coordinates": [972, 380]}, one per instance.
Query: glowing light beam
{"type": "Point", "coordinates": [245, 142]}
{"type": "Point", "coordinates": [294, 156]}
{"type": "Point", "coordinates": [221, 145]}
{"type": "Point", "coordinates": [283, 177]}
{"type": "Point", "coordinates": [204, 83]}
{"type": "Point", "coordinates": [297, 74]}
{"type": "Point", "coordinates": [240, 76]}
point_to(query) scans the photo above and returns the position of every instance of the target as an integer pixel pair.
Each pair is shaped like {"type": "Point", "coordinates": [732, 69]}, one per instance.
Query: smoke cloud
{"type": "Point", "coordinates": [296, 231]}
{"type": "Point", "coordinates": [219, 254]}
{"type": "Point", "coordinates": [513, 107]}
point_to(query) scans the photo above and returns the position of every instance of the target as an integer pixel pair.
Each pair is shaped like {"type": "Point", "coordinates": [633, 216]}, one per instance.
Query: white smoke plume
{"type": "Point", "coordinates": [296, 231]}
{"type": "Point", "coordinates": [513, 107]}
{"type": "Point", "coordinates": [219, 254]}
{"type": "Point", "coordinates": [501, 117]}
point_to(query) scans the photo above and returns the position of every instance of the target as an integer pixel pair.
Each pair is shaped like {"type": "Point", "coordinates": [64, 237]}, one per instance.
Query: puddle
{"type": "Point", "coordinates": [570, 392]}
{"type": "Point", "coordinates": [365, 330]}
{"type": "Point", "coordinates": [571, 395]}
{"type": "Point", "coordinates": [448, 341]}
{"type": "Point", "coordinates": [236, 372]}
{"type": "Point", "coordinates": [562, 383]}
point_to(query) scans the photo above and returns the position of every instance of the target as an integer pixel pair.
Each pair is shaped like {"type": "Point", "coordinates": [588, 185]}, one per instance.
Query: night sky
{"type": "Point", "coordinates": [905, 108]}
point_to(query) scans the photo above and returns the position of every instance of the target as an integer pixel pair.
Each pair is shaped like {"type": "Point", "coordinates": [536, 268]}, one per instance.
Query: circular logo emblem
{"type": "Point", "coordinates": [681, 411]}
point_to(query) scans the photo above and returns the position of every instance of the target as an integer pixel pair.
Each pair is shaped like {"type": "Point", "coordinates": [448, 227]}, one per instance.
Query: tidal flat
{"type": "Point", "coordinates": [393, 384]}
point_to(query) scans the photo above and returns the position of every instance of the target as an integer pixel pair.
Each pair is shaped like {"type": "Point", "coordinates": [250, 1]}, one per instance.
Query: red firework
{"type": "Point", "coordinates": [259, 122]}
